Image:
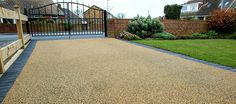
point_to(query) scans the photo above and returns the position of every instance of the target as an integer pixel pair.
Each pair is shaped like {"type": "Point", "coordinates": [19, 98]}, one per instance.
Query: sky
{"type": "Point", "coordinates": [132, 8]}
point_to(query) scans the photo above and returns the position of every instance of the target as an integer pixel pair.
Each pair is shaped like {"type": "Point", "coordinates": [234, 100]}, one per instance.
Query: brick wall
{"type": "Point", "coordinates": [176, 27]}
{"type": "Point", "coordinates": [9, 28]}
{"type": "Point", "coordinates": [115, 26]}
{"type": "Point", "coordinates": [185, 27]}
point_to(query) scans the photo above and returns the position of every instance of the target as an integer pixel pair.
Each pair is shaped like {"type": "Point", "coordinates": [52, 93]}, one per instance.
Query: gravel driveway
{"type": "Point", "coordinates": [110, 71]}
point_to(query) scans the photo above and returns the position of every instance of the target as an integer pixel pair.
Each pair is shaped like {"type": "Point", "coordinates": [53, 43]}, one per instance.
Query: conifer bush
{"type": "Point", "coordinates": [145, 27]}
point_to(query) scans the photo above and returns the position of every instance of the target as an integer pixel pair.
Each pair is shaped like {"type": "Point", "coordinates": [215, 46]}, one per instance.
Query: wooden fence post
{"type": "Point", "coordinates": [19, 25]}
{"type": "Point", "coordinates": [1, 63]}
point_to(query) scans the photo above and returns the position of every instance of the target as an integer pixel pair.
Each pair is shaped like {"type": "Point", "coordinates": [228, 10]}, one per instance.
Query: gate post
{"type": "Point", "coordinates": [105, 23]}
{"type": "Point", "coordinates": [19, 25]}
{"type": "Point", "coordinates": [68, 20]}
{"type": "Point", "coordinates": [27, 22]}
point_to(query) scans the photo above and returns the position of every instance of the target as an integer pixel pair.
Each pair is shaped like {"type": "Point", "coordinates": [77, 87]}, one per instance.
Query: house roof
{"type": "Point", "coordinates": [209, 6]}
{"type": "Point", "coordinates": [92, 7]}
{"type": "Point", "coordinates": [9, 4]}
{"type": "Point", "coordinates": [212, 5]}
{"type": "Point", "coordinates": [66, 10]}
{"type": "Point", "coordinates": [98, 8]}
{"type": "Point", "coordinates": [193, 1]}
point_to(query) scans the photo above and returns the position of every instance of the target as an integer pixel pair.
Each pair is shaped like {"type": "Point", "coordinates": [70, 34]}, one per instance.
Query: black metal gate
{"type": "Point", "coordinates": [66, 19]}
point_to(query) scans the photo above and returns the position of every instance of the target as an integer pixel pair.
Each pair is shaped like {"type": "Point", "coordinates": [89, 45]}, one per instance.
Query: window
{"type": "Point", "coordinates": [184, 8]}
{"type": "Point", "coordinates": [193, 8]}
{"type": "Point", "coordinates": [220, 5]}
{"type": "Point", "coordinates": [226, 3]}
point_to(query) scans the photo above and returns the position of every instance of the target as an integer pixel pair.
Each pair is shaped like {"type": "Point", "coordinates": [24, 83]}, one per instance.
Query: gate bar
{"type": "Point", "coordinates": [105, 22]}
{"type": "Point", "coordinates": [27, 22]}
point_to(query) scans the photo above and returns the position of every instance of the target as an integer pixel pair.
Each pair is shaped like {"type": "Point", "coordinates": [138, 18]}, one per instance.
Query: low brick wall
{"type": "Point", "coordinates": [115, 26]}
{"type": "Point", "coordinates": [9, 28]}
{"type": "Point", "coordinates": [185, 27]}
{"type": "Point", "coordinates": [176, 27]}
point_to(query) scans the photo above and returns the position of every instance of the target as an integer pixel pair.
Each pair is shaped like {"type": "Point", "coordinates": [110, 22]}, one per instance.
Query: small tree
{"type": "Point", "coordinates": [172, 11]}
{"type": "Point", "coordinates": [222, 21]}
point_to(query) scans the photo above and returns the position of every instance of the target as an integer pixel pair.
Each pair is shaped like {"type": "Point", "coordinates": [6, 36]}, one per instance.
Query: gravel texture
{"type": "Point", "coordinates": [110, 71]}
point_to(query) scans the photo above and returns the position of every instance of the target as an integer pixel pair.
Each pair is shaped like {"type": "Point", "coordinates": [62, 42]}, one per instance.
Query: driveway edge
{"type": "Point", "coordinates": [183, 56]}
{"type": "Point", "coordinates": [8, 78]}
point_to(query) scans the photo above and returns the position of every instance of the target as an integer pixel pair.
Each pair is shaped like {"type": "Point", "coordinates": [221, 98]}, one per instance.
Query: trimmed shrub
{"type": "Point", "coordinates": [233, 36]}
{"type": "Point", "coordinates": [199, 36]}
{"type": "Point", "coordinates": [212, 33]}
{"type": "Point", "coordinates": [40, 21]}
{"type": "Point", "coordinates": [129, 36]}
{"type": "Point", "coordinates": [209, 35]}
{"type": "Point", "coordinates": [50, 21]}
{"type": "Point", "coordinates": [145, 27]}
{"type": "Point", "coordinates": [164, 35]}
{"type": "Point", "coordinates": [184, 37]}
{"type": "Point", "coordinates": [222, 21]}
{"type": "Point", "coordinates": [68, 26]}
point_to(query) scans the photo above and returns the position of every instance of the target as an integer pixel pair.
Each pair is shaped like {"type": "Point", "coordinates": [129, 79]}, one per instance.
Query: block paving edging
{"type": "Point", "coordinates": [184, 56]}
{"type": "Point", "coordinates": [8, 78]}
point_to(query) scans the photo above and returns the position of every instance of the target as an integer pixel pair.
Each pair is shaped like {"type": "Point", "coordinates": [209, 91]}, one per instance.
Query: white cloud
{"type": "Point", "coordinates": [133, 7]}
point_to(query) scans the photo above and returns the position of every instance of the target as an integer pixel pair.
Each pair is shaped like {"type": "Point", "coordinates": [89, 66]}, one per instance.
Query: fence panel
{"type": "Point", "coordinates": [11, 52]}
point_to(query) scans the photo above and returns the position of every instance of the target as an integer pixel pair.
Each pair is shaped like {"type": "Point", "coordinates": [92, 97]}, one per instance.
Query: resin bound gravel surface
{"type": "Point", "coordinates": [110, 71]}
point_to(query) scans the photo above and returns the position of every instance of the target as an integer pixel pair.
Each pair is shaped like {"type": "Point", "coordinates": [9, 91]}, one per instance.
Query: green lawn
{"type": "Point", "coordinates": [218, 51]}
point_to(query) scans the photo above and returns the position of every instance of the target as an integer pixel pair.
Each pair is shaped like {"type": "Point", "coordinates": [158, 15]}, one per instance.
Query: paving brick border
{"type": "Point", "coordinates": [184, 56]}
{"type": "Point", "coordinates": [9, 77]}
